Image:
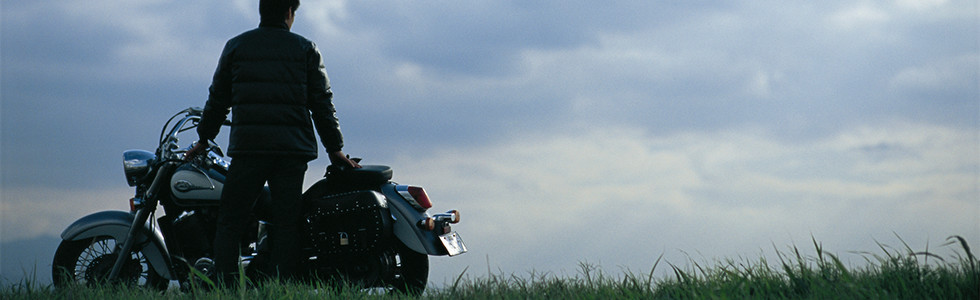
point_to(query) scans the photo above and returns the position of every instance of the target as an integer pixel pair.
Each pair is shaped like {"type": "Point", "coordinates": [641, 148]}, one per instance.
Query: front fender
{"type": "Point", "coordinates": [116, 224]}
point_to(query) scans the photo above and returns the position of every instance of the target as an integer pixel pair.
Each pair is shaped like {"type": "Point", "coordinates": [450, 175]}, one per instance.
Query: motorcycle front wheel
{"type": "Point", "coordinates": [88, 262]}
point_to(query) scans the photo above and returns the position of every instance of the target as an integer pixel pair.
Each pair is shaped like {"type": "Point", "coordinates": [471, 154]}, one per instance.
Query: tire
{"type": "Point", "coordinates": [88, 262]}
{"type": "Point", "coordinates": [411, 271]}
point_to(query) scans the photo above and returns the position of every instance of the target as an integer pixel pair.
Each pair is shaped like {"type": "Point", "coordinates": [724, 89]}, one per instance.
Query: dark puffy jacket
{"type": "Point", "coordinates": [273, 82]}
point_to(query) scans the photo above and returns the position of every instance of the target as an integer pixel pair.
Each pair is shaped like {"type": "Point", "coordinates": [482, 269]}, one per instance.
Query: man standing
{"type": "Point", "coordinates": [273, 82]}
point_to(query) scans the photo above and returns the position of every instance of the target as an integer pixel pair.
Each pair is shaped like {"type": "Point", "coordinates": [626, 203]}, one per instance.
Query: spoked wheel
{"type": "Point", "coordinates": [89, 261]}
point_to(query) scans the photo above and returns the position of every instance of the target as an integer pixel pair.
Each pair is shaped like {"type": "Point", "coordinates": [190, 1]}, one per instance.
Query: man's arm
{"type": "Point", "coordinates": [218, 105]}
{"type": "Point", "coordinates": [219, 97]}
{"type": "Point", "coordinates": [320, 104]}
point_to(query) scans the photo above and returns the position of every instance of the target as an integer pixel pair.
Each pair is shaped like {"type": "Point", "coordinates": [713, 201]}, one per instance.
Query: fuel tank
{"type": "Point", "coordinates": [192, 186]}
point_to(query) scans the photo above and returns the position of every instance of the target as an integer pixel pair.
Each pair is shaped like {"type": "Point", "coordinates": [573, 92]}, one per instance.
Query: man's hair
{"type": "Point", "coordinates": [274, 10]}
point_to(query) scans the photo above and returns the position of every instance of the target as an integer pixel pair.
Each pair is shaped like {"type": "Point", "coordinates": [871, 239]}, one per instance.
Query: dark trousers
{"type": "Point", "coordinates": [246, 177]}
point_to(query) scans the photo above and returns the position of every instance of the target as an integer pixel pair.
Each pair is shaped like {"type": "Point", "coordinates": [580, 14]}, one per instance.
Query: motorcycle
{"type": "Point", "coordinates": [359, 226]}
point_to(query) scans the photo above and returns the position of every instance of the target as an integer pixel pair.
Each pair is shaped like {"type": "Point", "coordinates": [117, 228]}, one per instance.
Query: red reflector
{"type": "Point", "coordinates": [419, 194]}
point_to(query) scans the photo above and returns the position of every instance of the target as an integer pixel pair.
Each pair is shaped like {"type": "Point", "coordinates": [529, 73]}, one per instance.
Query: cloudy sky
{"type": "Point", "coordinates": [565, 131]}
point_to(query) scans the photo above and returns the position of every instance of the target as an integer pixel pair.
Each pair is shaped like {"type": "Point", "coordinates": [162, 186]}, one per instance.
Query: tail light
{"type": "Point", "coordinates": [415, 196]}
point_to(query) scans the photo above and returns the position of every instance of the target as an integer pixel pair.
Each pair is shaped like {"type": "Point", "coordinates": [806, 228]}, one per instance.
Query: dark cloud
{"type": "Point", "coordinates": [787, 68]}
{"type": "Point", "coordinates": [489, 70]}
{"type": "Point", "coordinates": [71, 102]}
{"type": "Point", "coordinates": [69, 42]}
{"type": "Point", "coordinates": [485, 39]}
{"type": "Point", "coordinates": [46, 95]}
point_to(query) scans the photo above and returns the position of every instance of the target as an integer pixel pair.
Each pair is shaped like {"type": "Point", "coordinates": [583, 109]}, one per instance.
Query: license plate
{"type": "Point", "coordinates": [454, 244]}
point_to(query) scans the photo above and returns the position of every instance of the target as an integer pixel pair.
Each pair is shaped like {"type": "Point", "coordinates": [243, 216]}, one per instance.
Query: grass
{"type": "Point", "coordinates": [902, 274]}
{"type": "Point", "coordinates": [895, 273]}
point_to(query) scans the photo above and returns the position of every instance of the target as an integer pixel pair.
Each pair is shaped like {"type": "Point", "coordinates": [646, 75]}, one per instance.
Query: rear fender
{"type": "Point", "coordinates": [405, 229]}
{"type": "Point", "coordinates": [116, 224]}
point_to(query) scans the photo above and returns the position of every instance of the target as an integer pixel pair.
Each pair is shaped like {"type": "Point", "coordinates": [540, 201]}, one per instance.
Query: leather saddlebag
{"type": "Point", "coordinates": [348, 223]}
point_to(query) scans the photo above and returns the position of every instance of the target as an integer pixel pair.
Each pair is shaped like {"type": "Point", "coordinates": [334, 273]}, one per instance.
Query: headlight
{"type": "Point", "coordinates": [136, 163]}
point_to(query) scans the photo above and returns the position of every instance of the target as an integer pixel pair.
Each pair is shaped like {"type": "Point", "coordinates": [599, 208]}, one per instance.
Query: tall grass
{"type": "Point", "coordinates": [895, 273]}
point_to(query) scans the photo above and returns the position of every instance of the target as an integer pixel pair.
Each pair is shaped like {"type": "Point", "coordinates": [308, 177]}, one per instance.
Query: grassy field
{"type": "Point", "coordinates": [895, 273]}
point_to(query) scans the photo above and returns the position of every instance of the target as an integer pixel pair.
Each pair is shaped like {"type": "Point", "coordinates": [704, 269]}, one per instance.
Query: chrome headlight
{"type": "Point", "coordinates": [136, 163]}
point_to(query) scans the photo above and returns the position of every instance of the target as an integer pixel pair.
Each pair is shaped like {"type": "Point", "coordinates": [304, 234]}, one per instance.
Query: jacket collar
{"type": "Point", "coordinates": [274, 24]}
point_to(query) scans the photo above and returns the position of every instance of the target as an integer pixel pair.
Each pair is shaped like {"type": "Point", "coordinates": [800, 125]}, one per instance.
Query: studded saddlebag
{"type": "Point", "coordinates": [348, 223]}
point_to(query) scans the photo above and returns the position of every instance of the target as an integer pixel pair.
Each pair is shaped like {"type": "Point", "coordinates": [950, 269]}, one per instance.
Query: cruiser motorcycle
{"type": "Point", "coordinates": [359, 226]}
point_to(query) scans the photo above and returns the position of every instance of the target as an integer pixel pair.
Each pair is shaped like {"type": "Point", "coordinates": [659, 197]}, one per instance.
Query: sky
{"type": "Point", "coordinates": [566, 132]}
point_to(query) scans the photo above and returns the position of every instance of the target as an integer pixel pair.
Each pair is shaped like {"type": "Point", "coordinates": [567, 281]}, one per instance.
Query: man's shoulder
{"type": "Point", "coordinates": [267, 33]}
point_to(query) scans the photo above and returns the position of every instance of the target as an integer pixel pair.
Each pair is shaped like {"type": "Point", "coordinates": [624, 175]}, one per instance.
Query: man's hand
{"type": "Point", "coordinates": [338, 158]}
{"type": "Point", "coordinates": [194, 151]}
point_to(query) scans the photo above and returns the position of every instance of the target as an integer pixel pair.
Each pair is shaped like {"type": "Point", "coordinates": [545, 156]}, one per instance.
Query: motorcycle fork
{"type": "Point", "coordinates": [142, 214]}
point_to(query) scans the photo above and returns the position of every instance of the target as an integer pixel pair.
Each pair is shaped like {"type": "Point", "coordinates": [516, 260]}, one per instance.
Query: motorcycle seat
{"type": "Point", "coordinates": [370, 173]}
{"type": "Point", "coordinates": [367, 175]}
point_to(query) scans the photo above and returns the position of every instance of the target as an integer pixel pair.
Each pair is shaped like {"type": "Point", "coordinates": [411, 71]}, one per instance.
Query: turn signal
{"type": "Point", "coordinates": [135, 203]}
{"type": "Point", "coordinates": [451, 217]}
{"type": "Point", "coordinates": [455, 214]}
{"type": "Point", "coordinates": [427, 224]}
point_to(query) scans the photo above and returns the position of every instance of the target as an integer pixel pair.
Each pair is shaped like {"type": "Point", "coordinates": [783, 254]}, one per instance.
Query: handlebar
{"type": "Point", "coordinates": [168, 141]}
{"type": "Point", "coordinates": [169, 148]}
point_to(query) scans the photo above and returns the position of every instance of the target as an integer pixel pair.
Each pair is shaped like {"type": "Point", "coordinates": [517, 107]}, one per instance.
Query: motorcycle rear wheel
{"type": "Point", "coordinates": [89, 261]}
{"type": "Point", "coordinates": [412, 271]}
